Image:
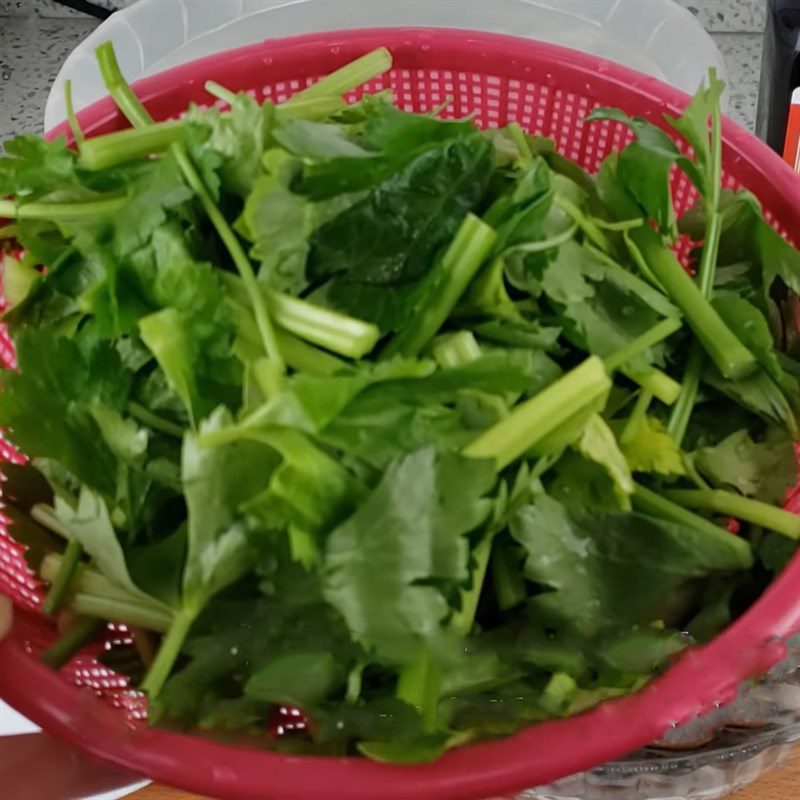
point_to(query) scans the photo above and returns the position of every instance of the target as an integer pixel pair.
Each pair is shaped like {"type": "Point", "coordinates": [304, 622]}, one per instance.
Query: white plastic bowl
{"type": "Point", "coordinates": [657, 37]}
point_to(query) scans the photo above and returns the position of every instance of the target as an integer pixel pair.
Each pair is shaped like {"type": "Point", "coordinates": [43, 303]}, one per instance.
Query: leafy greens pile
{"type": "Point", "coordinates": [418, 428]}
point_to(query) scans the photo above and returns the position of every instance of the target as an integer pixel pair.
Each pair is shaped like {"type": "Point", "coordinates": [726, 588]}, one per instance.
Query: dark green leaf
{"type": "Point", "coordinates": [644, 167]}
{"type": "Point", "coordinates": [410, 216]}
{"type": "Point", "coordinates": [48, 404]}
{"type": "Point", "coordinates": [408, 532]}
{"type": "Point", "coordinates": [303, 679]}
{"type": "Point", "coordinates": [607, 568]}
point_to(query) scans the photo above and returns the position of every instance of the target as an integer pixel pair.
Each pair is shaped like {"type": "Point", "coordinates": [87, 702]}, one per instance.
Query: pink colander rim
{"type": "Point", "coordinates": [701, 679]}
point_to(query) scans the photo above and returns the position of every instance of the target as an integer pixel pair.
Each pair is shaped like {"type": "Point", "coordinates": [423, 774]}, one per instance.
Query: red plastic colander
{"type": "Point", "coordinates": [549, 90]}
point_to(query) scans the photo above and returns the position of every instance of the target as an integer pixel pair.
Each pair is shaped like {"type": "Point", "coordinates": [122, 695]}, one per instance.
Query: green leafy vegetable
{"type": "Point", "coordinates": [363, 413]}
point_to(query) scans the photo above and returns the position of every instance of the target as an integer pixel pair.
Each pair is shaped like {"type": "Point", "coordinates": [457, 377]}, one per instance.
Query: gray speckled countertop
{"type": "Point", "coordinates": [32, 50]}
{"type": "Point", "coordinates": [37, 35]}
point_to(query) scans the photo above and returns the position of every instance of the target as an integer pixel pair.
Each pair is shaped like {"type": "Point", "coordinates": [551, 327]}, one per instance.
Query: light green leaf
{"type": "Point", "coordinates": [90, 525]}
{"type": "Point", "coordinates": [649, 448]}
{"type": "Point", "coordinates": [598, 443]}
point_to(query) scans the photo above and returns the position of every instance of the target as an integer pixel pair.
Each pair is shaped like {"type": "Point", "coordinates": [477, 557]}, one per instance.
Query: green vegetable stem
{"type": "Point", "coordinates": [61, 582]}
{"type": "Point", "coordinates": [460, 263]}
{"type": "Point", "coordinates": [732, 358]}
{"type": "Point", "coordinates": [711, 191]}
{"type": "Point", "coordinates": [742, 508]}
{"type": "Point", "coordinates": [531, 421]}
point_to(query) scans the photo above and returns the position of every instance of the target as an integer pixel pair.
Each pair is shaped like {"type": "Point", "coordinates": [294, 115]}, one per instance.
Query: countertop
{"type": "Point", "coordinates": [37, 35]}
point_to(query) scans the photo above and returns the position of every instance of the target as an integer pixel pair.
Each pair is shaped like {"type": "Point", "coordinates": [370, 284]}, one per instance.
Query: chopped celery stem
{"type": "Point", "coordinates": [531, 421]}
{"type": "Point", "coordinates": [458, 266]}
{"type": "Point", "coordinates": [744, 508]}
{"type": "Point", "coordinates": [125, 611]}
{"type": "Point", "coordinates": [322, 326]}
{"type": "Point", "coordinates": [650, 502]}
{"type": "Point", "coordinates": [298, 354]}
{"type": "Point", "coordinates": [108, 150]}
{"type": "Point", "coordinates": [129, 104]}
{"type": "Point", "coordinates": [312, 108]}
{"type": "Point", "coordinates": [456, 349]}
{"type": "Point", "coordinates": [732, 358]}
{"type": "Point", "coordinates": [332, 330]}
{"type": "Point", "coordinates": [220, 92]}
{"type": "Point", "coordinates": [657, 333]}
{"type": "Point", "coordinates": [662, 386]}
{"type": "Point", "coordinates": [115, 148]}
{"type": "Point", "coordinates": [62, 212]}
{"type": "Point", "coordinates": [348, 77]}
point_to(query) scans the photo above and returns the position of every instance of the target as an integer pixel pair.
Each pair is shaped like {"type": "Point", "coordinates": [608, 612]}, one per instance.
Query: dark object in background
{"type": "Point", "coordinates": [92, 9]}
{"type": "Point", "coordinates": [780, 71]}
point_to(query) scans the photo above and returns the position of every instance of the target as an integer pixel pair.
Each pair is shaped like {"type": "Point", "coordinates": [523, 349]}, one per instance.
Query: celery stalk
{"type": "Point", "coordinates": [679, 419]}
{"type": "Point", "coordinates": [732, 358]}
{"type": "Point", "coordinates": [456, 349]}
{"type": "Point", "coordinates": [170, 648]}
{"type": "Point", "coordinates": [734, 505]}
{"type": "Point", "coordinates": [348, 77]}
{"type": "Point", "coordinates": [62, 212]}
{"type": "Point", "coordinates": [650, 502]}
{"type": "Point", "coordinates": [657, 333]}
{"type": "Point", "coordinates": [461, 261]}
{"type": "Point", "coordinates": [531, 421]}
{"type": "Point", "coordinates": [62, 580]}
{"type": "Point", "coordinates": [111, 149]}
{"type": "Point", "coordinates": [662, 386]}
